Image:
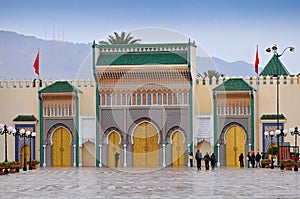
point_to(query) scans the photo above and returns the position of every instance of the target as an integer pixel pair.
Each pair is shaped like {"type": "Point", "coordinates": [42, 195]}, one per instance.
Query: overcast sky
{"type": "Point", "coordinates": [228, 29]}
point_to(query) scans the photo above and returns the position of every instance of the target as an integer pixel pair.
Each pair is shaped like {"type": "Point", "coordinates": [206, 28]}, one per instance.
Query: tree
{"type": "Point", "coordinates": [122, 38]}
{"type": "Point", "coordinates": [211, 73]}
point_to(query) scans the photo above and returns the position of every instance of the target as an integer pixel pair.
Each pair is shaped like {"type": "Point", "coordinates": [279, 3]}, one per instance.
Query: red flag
{"type": "Point", "coordinates": [36, 64]}
{"type": "Point", "coordinates": [256, 61]}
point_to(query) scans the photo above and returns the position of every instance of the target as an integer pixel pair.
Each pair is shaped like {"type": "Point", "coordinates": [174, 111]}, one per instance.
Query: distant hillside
{"type": "Point", "coordinates": [57, 59]}
{"type": "Point", "coordinates": [69, 60]}
{"type": "Point", "coordinates": [234, 69]}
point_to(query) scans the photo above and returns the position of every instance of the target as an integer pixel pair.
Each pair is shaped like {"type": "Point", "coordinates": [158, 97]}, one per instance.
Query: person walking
{"type": "Point", "coordinates": [212, 161]}
{"type": "Point", "coordinates": [206, 160]}
{"type": "Point", "coordinates": [241, 160]}
{"type": "Point", "coordinates": [248, 159]}
{"type": "Point", "coordinates": [191, 159]}
{"type": "Point", "coordinates": [257, 159]}
{"type": "Point", "coordinates": [252, 160]}
{"type": "Point", "coordinates": [117, 156]}
{"type": "Point", "coordinates": [198, 159]}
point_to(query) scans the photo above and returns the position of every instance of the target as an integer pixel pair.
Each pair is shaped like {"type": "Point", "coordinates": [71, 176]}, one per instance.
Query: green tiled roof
{"type": "Point", "coordinates": [234, 84]}
{"type": "Point", "coordinates": [140, 58]}
{"type": "Point", "coordinates": [25, 118]}
{"type": "Point", "coordinates": [59, 87]}
{"type": "Point", "coordinates": [272, 117]}
{"type": "Point", "coordinates": [274, 68]}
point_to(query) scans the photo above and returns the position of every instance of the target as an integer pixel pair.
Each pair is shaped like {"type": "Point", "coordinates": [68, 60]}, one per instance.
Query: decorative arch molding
{"type": "Point", "coordinates": [110, 130]}
{"type": "Point", "coordinates": [136, 123]}
{"type": "Point", "coordinates": [225, 129]}
{"type": "Point", "coordinates": [172, 131]}
{"type": "Point", "coordinates": [54, 128]}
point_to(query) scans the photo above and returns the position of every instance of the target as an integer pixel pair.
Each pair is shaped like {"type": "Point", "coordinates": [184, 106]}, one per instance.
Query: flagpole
{"type": "Point", "coordinates": [257, 97]}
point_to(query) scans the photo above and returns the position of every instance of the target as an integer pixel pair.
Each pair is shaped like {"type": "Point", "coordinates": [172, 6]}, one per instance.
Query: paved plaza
{"type": "Point", "coordinates": [150, 183]}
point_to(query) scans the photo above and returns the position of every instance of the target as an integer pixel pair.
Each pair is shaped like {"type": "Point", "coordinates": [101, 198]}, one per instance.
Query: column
{"type": "Point", "coordinates": [218, 163]}
{"type": "Point", "coordinates": [74, 163]}
{"type": "Point", "coordinates": [125, 158]}
{"type": "Point", "coordinates": [164, 155]}
{"type": "Point", "coordinates": [189, 164]}
{"type": "Point", "coordinates": [44, 161]}
{"type": "Point", "coordinates": [100, 154]}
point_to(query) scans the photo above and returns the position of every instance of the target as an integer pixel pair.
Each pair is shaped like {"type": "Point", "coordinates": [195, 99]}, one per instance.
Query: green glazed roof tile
{"type": "Point", "coordinates": [25, 118]}
{"type": "Point", "coordinates": [272, 117]}
{"type": "Point", "coordinates": [141, 58]}
{"type": "Point", "coordinates": [274, 68]}
{"type": "Point", "coordinates": [234, 84]}
{"type": "Point", "coordinates": [59, 87]}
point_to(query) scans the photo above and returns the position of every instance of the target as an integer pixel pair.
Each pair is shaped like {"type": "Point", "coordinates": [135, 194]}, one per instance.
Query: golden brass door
{"type": "Point", "coordinates": [113, 147]}
{"type": "Point", "coordinates": [177, 150]}
{"type": "Point", "coordinates": [27, 149]}
{"type": "Point", "coordinates": [61, 149]}
{"type": "Point", "coordinates": [235, 145]}
{"type": "Point", "coordinates": [145, 147]}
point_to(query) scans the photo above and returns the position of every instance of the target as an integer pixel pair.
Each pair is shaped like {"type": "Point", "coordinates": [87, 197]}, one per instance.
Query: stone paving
{"type": "Point", "coordinates": [150, 183]}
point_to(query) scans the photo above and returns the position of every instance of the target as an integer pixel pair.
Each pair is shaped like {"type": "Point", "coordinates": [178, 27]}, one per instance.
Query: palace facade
{"type": "Point", "coordinates": [147, 106]}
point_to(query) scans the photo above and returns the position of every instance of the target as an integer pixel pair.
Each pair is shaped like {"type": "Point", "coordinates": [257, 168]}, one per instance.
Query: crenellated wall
{"type": "Point", "coordinates": [20, 97]}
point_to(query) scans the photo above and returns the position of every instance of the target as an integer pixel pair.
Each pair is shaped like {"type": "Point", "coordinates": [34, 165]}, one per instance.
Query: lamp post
{"type": "Point", "coordinates": [278, 134]}
{"type": "Point", "coordinates": [295, 132]}
{"type": "Point", "coordinates": [275, 52]}
{"type": "Point", "coordinates": [4, 130]}
{"type": "Point", "coordinates": [270, 135]}
{"type": "Point", "coordinates": [30, 135]}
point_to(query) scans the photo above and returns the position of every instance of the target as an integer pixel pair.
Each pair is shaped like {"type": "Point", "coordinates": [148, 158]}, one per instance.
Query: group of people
{"type": "Point", "coordinates": [253, 160]}
{"type": "Point", "coordinates": [207, 158]}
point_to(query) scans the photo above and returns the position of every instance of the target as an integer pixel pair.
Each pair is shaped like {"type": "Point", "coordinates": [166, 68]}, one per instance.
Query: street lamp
{"type": "Point", "coordinates": [30, 135]}
{"type": "Point", "coordinates": [270, 135]}
{"type": "Point", "coordinates": [4, 130]}
{"type": "Point", "coordinates": [23, 135]}
{"type": "Point", "coordinates": [275, 52]}
{"type": "Point", "coordinates": [295, 132]}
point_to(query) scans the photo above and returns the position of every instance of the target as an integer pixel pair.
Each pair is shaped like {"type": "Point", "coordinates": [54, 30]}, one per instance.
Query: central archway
{"type": "Point", "coordinates": [61, 148]}
{"type": "Point", "coordinates": [235, 145]}
{"type": "Point", "coordinates": [145, 146]}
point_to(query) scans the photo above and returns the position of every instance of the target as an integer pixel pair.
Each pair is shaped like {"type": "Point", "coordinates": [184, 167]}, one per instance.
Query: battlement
{"type": "Point", "coordinates": [43, 83]}
{"type": "Point", "coordinates": [253, 81]}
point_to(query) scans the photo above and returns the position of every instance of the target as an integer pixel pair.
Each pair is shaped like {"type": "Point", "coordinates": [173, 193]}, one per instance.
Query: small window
{"type": "Point", "coordinates": [119, 99]}
{"type": "Point", "coordinates": [149, 99]}
{"type": "Point", "coordinates": [159, 99]}
{"type": "Point", "coordinates": [128, 99]}
{"type": "Point", "coordinates": [138, 99]}
{"type": "Point", "coordinates": [108, 100]}
{"type": "Point", "coordinates": [170, 99]}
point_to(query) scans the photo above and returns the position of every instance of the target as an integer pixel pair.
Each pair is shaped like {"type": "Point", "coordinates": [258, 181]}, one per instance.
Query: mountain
{"type": "Point", "coordinates": [58, 59]}
{"type": "Point", "coordinates": [68, 60]}
{"type": "Point", "coordinates": [230, 69]}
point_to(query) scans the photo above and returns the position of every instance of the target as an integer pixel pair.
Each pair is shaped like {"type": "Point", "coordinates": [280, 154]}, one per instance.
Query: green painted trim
{"type": "Point", "coordinates": [191, 96]}
{"type": "Point", "coordinates": [252, 121]}
{"type": "Point", "coordinates": [215, 123]}
{"type": "Point", "coordinates": [77, 129]}
{"type": "Point", "coordinates": [97, 127]}
{"type": "Point", "coordinates": [41, 130]}
{"type": "Point", "coordinates": [97, 106]}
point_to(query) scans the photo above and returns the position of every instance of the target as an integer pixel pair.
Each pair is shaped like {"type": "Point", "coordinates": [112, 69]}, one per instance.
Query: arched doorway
{"type": "Point", "coordinates": [177, 150]}
{"type": "Point", "coordinates": [113, 148]}
{"type": "Point", "coordinates": [61, 148]}
{"type": "Point", "coordinates": [88, 154]}
{"type": "Point", "coordinates": [145, 146]}
{"type": "Point", "coordinates": [25, 149]}
{"type": "Point", "coordinates": [235, 145]}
